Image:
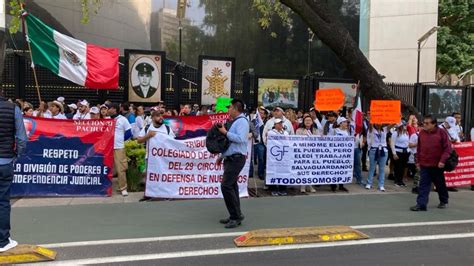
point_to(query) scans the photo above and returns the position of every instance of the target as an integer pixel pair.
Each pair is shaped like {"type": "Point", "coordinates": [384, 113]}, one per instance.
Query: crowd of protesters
{"type": "Point", "coordinates": [394, 146]}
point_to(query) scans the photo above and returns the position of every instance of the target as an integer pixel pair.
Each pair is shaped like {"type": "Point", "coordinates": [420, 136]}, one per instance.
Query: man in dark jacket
{"type": "Point", "coordinates": [12, 143]}
{"type": "Point", "coordinates": [432, 152]}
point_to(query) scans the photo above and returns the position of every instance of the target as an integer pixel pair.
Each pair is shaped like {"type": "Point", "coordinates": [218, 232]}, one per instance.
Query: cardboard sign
{"type": "Point", "coordinates": [329, 99]}
{"type": "Point", "coordinates": [385, 111]}
{"type": "Point", "coordinates": [222, 103]}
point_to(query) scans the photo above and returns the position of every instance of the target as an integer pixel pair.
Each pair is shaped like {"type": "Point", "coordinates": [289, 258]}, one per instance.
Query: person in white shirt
{"type": "Point", "coordinates": [412, 170]}
{"type": "Point", "coordinates": [329, 124]}
{"type": "Point", "coordinates": [83, 112]}
{"type": "Point", "coordinates": [278, 114]}
{"type": "Point", "coordinates": [123, 132]}
{"type": "Point", "coordinates": [278, 129]}
{"type": "Point", "coordinates": [307, 128]}
{"type": "Point", "coordinates": [458, 127]}
{"type": "Point", "coordinates": [56, 110]}
{"type": "Point", "coordinates": [449, 125]}
{"type": "Point", "coordinates": [378, 154]}
{"type": "Point", "coordinates": [139, 122]}
{"type": "Point", "coordinates": [341, 129]}
{"type": "Point", "coordinates": [399, 146]}
{"type": "Point", "coordinates": [95, 112]}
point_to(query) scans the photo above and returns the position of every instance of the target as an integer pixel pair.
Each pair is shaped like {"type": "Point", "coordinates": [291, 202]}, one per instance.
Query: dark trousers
{"type": "Point", "coordinates": [6, 177]}
{"type": "Point", "coordinates": [259, 149]}
{"type": "Point", "coordinates": [363, 157]}
{"type": "Point", "coordinates": [400, 166]}
{"type": "Point", "coordinates": [229, 186]}
{"type": "Point", "coordinates": [431, 175]}
{"type": "Point", "coordinates": [278, 188]}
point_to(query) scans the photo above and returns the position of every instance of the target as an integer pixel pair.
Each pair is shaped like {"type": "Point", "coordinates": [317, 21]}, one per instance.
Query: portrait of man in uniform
{"type": "Point", "coordinates": [145, 75]}
{"type": "Point", "coordinates": [144, 89]}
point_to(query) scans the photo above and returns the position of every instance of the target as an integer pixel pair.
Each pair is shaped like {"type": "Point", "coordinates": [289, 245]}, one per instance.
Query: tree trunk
{"type": "Point", "coordinates": [330, 30]}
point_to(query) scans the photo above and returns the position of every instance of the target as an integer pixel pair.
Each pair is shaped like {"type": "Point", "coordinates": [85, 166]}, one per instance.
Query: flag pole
{"type": "Point", "coordinates": [25, 26]}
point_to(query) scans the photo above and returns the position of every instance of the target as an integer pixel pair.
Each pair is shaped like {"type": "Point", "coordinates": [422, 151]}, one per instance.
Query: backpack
{"type": "Point", "coordinates": [452, 161]}
{"type": "Point", "coordinates": [216, 142]}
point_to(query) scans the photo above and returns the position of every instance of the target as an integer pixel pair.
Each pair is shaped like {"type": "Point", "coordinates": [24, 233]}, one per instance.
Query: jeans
{"type": "Point", "coordinates": [261, 159]}
{"type": "Point", "coordinates": [357, 165]}
{"type": "Point", "coordinates": [6, 178]}
{"type": "Point", "coordinates": [363, 157]}
{"type": "Point", "coordinates": [381, 160]}
{"type": "Point", "coordinates": [230, 187]}
{"type": "Point", "coordinates": [429, 175]}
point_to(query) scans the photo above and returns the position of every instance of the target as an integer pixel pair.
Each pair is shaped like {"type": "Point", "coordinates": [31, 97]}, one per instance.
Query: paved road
{"type": "Point", "coordinates": [174, 231]}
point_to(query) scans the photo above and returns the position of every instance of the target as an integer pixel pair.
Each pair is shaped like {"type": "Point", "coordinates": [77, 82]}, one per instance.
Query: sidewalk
{"type": "Point", "coordinates": [253, 183]}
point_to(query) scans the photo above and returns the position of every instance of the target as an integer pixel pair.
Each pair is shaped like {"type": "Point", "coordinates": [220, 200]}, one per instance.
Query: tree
{"type": "Point", "coordinates": [455, 52]}
{"type": "Point", "coordinates": [330, 30]}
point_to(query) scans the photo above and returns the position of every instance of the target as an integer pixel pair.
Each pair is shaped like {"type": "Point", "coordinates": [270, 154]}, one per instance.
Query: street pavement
{"type": "Point", "coordinates": [187, 232]}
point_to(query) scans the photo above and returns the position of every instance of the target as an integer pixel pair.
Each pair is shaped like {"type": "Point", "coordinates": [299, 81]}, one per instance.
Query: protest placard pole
{"type": "Point", "coordinates": [25, 26]}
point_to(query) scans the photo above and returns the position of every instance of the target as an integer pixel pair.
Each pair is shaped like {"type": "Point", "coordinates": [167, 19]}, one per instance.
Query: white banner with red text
{"type": "Point", "coordinates": [304, 160]}
{"type": "Point", "coordinates": [463, 175]}
{"type": "Point", "coordinates": [185, 169]}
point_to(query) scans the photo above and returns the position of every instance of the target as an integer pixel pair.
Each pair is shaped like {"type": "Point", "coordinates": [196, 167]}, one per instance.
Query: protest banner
{"type": "Point", "coordinates": [66, 158]}
{"type": "Point", "coordinates": [185, 169]}
{"type": "Point", "coordinates": [304, 160]}
{"type": "Point", "coordinates": [385, 111]}
{"type": "Point", "coordinates": [329, 99]}
{"type": "Point", "coordinates": [463, 175]}
{"type": "Point", "coordinates": [185, 127]}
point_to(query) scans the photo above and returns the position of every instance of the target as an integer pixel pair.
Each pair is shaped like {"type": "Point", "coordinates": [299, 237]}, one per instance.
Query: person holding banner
{"type": "Point", "coordinates": [307, 129]}
{"type": "Point", "coordinates": [12, 144]}
{"type": "Point", "coordinates": [433, 151]}
{"type": "Point", "coordinates": [278, 114]}
{"type": "Point", "coordinates": [341, 129]}
{"type": "Point", "coordinates": [378, 154]}
{"type": "Point", "coordinates": [57, 110]}
{"type": "Point", "coordinates": [234, 162]}
{"type": "Point", "coordinates": [83, 112]}
{"type": "Point", "coordinates": [277, 190]}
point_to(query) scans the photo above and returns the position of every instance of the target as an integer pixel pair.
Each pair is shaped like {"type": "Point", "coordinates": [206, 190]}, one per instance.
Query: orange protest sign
{"type": "Point", "coordinates": [385, 112]}
{"type": "Point", "coordinates": [329, 99]}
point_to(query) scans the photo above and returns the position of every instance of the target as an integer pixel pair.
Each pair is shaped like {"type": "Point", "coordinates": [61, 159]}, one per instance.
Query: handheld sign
{"type": "Point", "coordinates": [385, 111]}
{"type": "Point", "coordinates": [222, 103]}
{"type": "Point", "coordinates": [331, 99]}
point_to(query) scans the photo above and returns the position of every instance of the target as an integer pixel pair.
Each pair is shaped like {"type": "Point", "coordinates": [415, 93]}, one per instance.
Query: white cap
{"type": "Point", "coordinates": [278, 108]}
{"type": "Point", "coordinates": [451, 121]}
{"type": "Point", "coordinates": [60, 99]}
{"type": "Point", "coordinates": [84, 102]}
{"type": "Point", "coordinates": [73, 106]}
{"type": "Point", "coordinates": [94, 110]}
{"type": "Point", "coordinates": [340, 120]}
{"type": "Point", "coordinates": [278, 120]}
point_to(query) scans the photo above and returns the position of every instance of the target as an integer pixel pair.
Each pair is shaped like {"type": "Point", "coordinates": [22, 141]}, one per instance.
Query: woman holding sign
{"type": "Point", "coordinates": [307, 129]}
{"type": "Point", "coordinates": [378, 154]}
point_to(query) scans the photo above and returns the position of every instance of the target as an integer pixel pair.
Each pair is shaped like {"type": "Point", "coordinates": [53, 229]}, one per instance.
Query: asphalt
{"type": "Point", "coordinates": [98, 222]}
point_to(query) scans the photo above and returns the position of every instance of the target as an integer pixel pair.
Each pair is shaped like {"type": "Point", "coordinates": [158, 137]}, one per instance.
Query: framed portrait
{"type": "Point", "coordinates": [443, 101]}
{"type": "Point", "coordinates": [146, 76]}
{"type": "Point", "coordinates": [217, 78]}
{"type": "Point", "coordinates": [349, 89]}
{"type": "Point", "coordinates": [282, 92]}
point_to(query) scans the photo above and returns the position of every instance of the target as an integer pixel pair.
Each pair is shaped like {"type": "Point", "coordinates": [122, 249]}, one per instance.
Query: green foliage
{"type": "Point", "coordinates": [85, 4]}
{"type": "Point", "coordinates": [136, 155]}
{"type": "Point", "coordinates": [455, 51]}
{"type": "Point", "coordinates": [15, 12]}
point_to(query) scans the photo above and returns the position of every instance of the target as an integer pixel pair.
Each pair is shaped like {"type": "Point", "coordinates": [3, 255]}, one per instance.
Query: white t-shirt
{"type": "Point", "coordinates": [399, 141]}
{"type": "Point", "coordinates": [121, 126]}
{"type": "Point", "coordinates": [59, 116]}
{"type": "Point", "coordinates": [452, 133]}
{"type": "Point", "coordinates": [341, 133]}
{"type": "Point", "coordinates": [376, 139]}
{"type": "Point", "coordinates": [413, 140]}
{"type": "Point", "coordinates": [160, 132]}
{"type": "Point", "coordinates": [79, 116]}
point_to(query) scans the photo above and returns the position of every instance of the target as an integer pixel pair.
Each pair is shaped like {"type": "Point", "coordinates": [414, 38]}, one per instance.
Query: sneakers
{"type": "Point", "coordinates": [312, 190]}
{"type": "Point", "coordinates": [283, 193]}
{"type": "Point", "coordinates": [442, 206]}
{"type": "Point", "coordinates": [368, 186]}
{"type": "Point", "coordinates": [265, 187]}
{"type": "Point", "coordinates": [417, 208]}
{"type": "Point", "coordinates": [11, 244]}
{"type": "Point", "coordinates": [382, 189]}
{"type": "Point", "coordinates": [124, 193]}
{"type": "Point", "coordinates": [274, 193]}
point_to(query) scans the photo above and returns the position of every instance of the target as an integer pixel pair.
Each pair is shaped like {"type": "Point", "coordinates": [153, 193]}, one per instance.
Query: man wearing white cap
{"type": "Point", "coordinates": [278, 114]}
{"type": "Point", "coordinates": [95, 112]}
{"type": "Point", "coordinates": [56, 108]}
{"type": "Point", "coordinates": [450, 126]}
{"type": "Point", "coordinates": [83, 111]}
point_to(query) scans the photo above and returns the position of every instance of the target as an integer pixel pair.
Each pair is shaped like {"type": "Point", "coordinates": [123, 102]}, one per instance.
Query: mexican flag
{"type": "Point", "coordinates": [357, 115]}
{"type": "Point", "coordinates": [85, 64]}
